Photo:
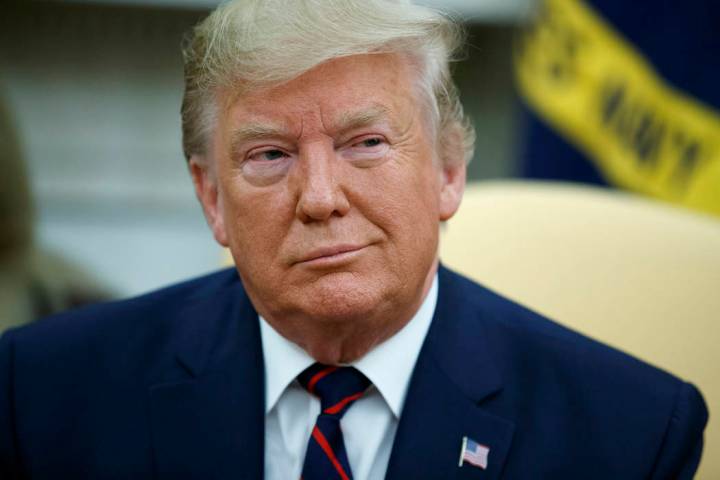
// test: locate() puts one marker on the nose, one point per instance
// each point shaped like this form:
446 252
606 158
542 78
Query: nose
320 192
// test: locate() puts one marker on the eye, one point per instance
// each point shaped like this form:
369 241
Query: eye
366 151
370 142
265 165
267 155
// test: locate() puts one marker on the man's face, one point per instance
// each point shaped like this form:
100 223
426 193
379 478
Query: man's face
328 191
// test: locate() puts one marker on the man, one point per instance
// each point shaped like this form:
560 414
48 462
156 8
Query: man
326 143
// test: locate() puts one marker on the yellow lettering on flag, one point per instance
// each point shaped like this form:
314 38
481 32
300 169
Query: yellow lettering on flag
597 90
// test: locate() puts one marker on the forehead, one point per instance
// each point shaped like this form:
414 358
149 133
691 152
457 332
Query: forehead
355 89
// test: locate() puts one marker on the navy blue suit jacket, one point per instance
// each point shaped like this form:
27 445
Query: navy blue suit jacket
170 385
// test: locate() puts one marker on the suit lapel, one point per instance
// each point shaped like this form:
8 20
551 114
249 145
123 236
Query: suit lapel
208 418
454 374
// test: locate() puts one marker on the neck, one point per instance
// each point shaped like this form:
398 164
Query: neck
334 342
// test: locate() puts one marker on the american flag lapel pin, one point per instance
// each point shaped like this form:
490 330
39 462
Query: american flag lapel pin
474 453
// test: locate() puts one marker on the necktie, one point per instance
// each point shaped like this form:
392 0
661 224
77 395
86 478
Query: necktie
337 388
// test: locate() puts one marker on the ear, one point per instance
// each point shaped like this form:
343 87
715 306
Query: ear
452 172
206 190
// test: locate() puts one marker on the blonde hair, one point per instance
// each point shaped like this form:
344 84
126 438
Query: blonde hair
251 43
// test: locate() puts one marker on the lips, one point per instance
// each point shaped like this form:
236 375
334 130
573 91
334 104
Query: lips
331 253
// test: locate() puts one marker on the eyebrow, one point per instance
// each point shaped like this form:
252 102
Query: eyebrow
344 122
361 118
253 131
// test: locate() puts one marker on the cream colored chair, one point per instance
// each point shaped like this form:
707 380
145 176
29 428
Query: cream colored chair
639 275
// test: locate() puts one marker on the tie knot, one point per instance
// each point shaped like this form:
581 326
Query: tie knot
337 387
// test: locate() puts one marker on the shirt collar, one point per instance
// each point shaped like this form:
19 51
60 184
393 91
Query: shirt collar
389 365
284 361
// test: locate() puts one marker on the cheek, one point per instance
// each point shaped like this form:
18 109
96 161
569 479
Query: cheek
256 220
401 197
410 185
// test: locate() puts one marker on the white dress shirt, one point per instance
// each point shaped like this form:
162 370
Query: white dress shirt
370 423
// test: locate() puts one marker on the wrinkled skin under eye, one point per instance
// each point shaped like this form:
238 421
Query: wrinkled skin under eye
263 167
366 151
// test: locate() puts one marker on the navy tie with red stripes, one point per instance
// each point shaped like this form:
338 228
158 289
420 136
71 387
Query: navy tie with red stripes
337 388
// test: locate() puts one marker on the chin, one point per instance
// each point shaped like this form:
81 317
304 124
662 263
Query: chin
339 298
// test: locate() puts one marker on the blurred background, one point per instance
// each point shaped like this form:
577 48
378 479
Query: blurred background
96 202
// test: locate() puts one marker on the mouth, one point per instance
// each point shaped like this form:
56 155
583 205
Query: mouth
332 255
